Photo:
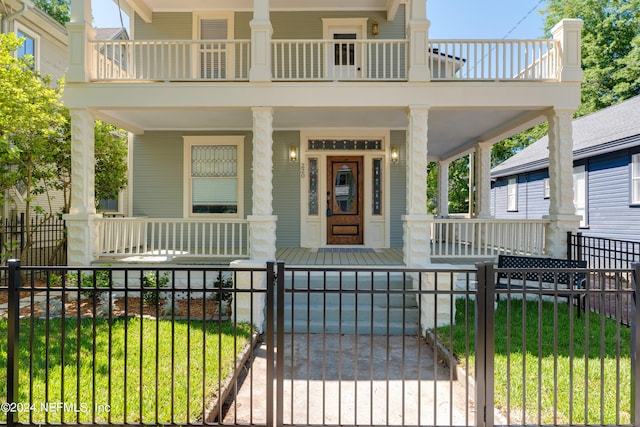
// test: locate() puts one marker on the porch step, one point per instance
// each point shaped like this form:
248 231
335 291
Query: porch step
350 303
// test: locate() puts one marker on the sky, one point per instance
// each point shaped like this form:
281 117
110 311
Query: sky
450 19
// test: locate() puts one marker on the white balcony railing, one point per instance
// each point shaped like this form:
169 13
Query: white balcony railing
458 238
494 59
318 60
174 237
164 60
339 60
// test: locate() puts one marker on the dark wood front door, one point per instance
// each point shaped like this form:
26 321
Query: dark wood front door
344 201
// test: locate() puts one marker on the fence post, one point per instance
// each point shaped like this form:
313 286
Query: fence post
579 246
280 346
269 337
13 334
485 344
635 350
21 231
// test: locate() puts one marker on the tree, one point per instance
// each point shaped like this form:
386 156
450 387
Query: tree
57 9
610 48
35 142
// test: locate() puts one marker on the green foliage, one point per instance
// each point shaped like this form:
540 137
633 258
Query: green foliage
111 161
60 10
610 48
511 146
222 282
153 280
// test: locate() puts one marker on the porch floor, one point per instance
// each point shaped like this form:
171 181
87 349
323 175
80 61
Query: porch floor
358 256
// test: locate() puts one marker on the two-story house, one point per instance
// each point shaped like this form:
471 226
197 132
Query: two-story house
260 125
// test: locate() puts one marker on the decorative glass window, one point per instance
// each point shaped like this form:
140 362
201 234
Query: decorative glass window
512 194
635 179
345 144
214 175
313 186
377 187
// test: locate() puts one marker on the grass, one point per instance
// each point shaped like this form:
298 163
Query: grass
574 377
129 366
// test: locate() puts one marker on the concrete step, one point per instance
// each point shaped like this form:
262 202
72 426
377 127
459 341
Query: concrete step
350 302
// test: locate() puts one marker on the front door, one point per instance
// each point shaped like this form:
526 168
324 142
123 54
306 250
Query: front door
344 201
344 57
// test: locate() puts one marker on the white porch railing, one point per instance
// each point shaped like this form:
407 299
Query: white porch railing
454 238
321 60
173 237
494 59
171 60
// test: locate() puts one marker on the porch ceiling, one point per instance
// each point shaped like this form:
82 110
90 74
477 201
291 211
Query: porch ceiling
451 132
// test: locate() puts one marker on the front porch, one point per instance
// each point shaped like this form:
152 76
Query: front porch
451 241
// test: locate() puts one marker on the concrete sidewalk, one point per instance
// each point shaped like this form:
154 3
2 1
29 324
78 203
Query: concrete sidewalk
399 382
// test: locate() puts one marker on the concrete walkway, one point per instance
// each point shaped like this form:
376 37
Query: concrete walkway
399 382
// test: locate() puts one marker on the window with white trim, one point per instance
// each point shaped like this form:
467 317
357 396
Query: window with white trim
547 188
512 194
30 46
580 193
214 168
635 179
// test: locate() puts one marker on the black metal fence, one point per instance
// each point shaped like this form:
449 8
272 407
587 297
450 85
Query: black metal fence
305 346
601 252
48 244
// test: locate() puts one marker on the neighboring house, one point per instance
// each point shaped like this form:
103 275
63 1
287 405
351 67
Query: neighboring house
606 175
45 40
264 125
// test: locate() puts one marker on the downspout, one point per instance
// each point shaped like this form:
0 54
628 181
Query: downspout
13 16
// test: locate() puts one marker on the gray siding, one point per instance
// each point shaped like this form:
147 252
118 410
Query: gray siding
165 26
608 186
531 201
398 185
158 175
286 190
609 213
308 25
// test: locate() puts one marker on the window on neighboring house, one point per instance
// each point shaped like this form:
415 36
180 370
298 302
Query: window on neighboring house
29 48
580 193
635 179
547 188
214 168
512 194
108 205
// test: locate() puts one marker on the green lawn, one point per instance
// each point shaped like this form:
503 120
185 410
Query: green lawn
185 382
555 371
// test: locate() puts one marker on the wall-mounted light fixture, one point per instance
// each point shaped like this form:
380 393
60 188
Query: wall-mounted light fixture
293 153
395 154
375 29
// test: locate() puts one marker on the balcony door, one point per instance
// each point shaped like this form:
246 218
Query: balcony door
213 52
345 200
344 52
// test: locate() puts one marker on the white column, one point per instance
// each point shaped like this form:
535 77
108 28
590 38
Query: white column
82 238
263 222
261 33
418 29
472 174
80 32
417 224
443 188
483 180
567 32
561 207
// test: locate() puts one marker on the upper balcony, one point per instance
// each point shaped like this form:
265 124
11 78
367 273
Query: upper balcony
325 41
324 60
